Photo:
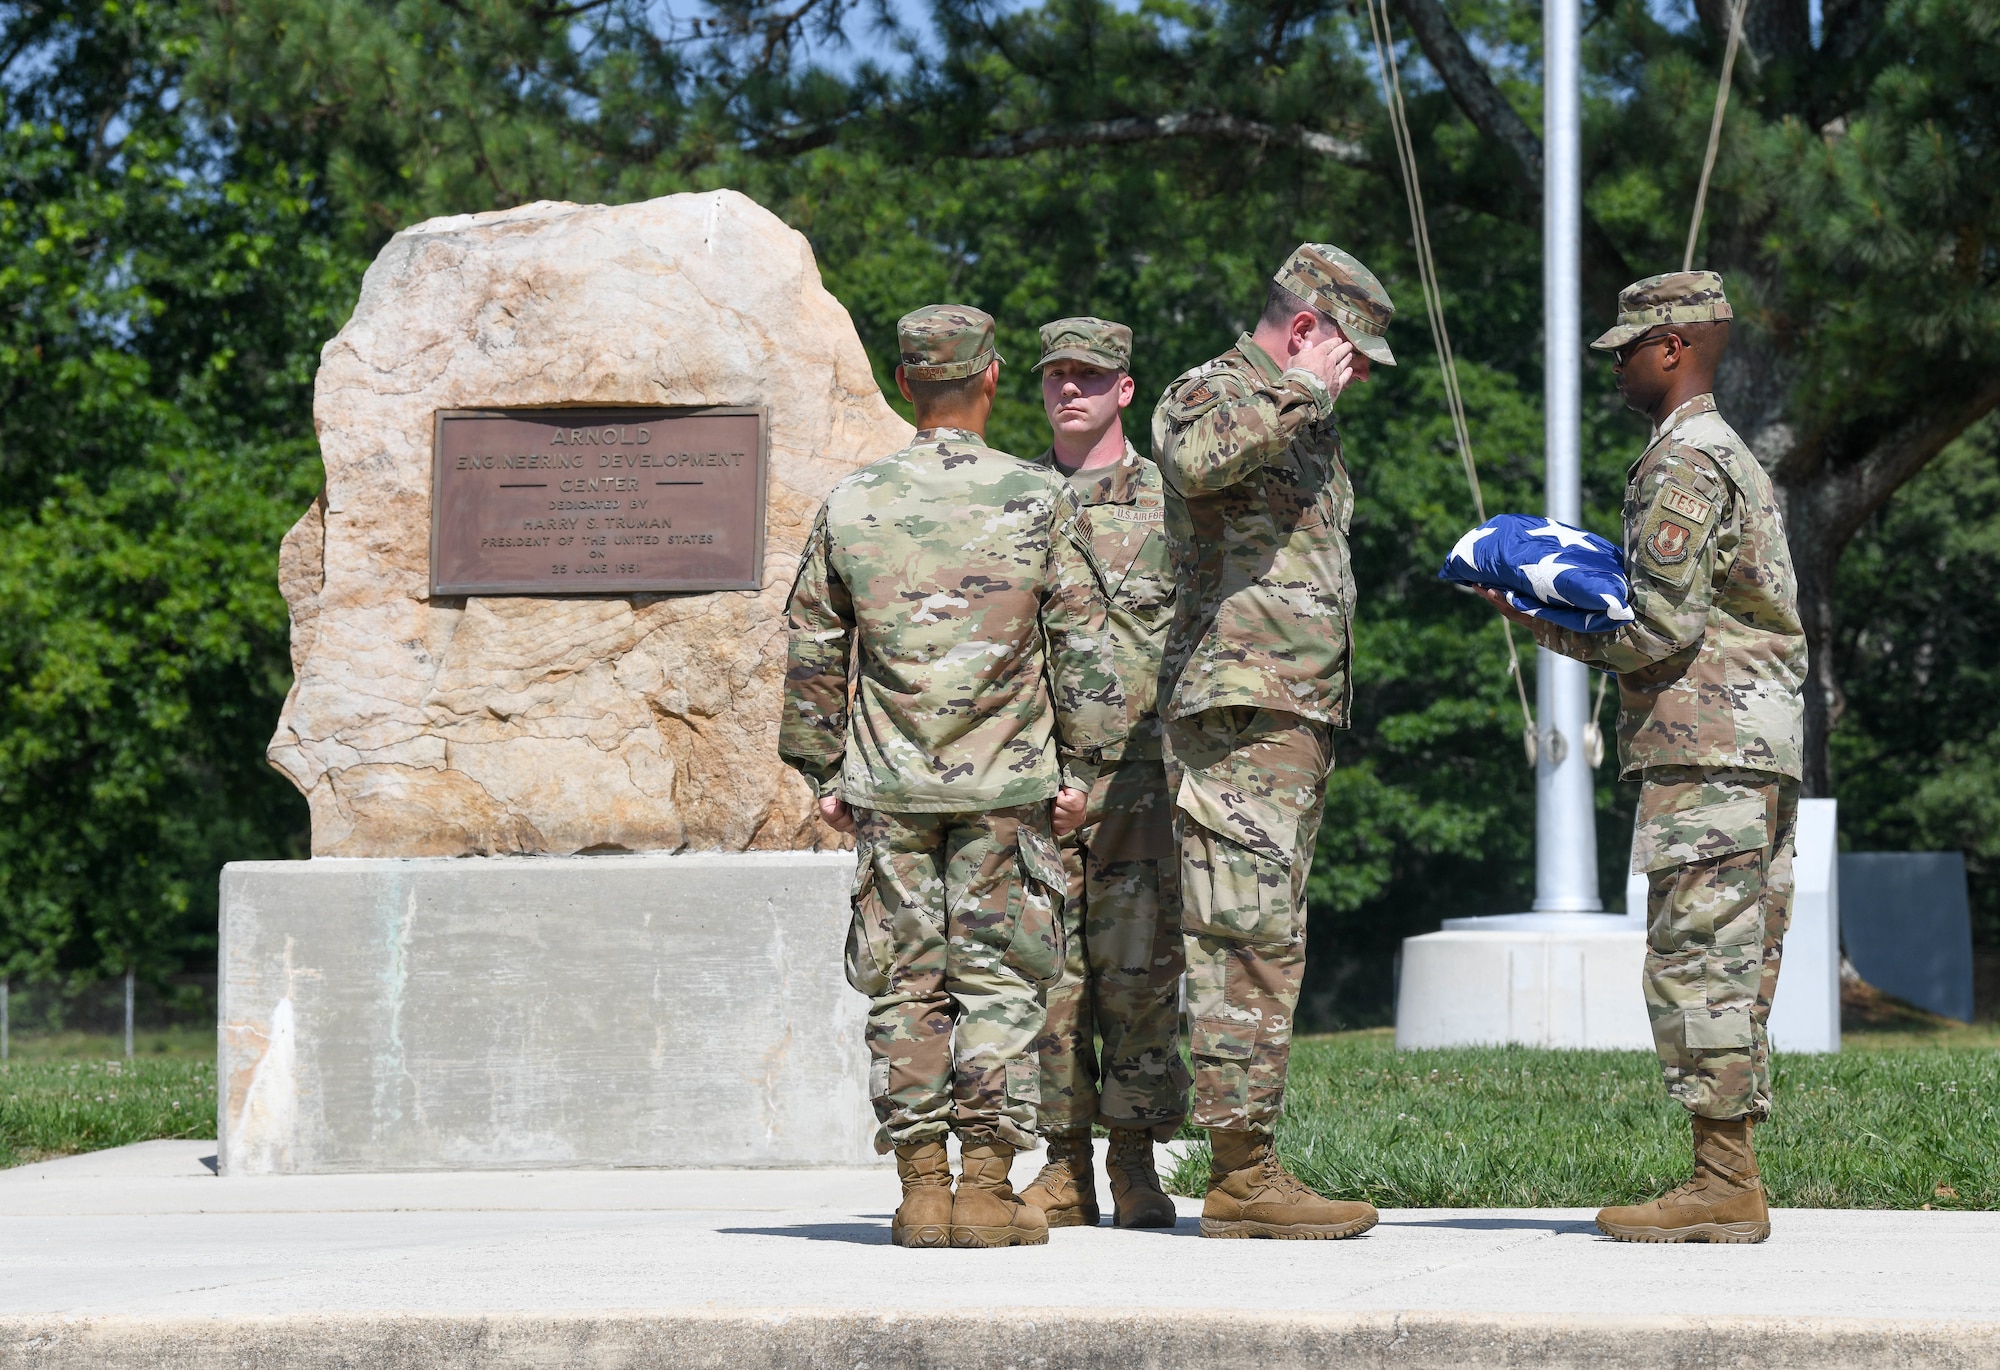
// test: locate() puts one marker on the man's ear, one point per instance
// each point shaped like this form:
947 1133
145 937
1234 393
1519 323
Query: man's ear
903 384
1672 351
992 386
1127 387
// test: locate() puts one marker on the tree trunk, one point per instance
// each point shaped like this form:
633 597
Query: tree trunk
1815 558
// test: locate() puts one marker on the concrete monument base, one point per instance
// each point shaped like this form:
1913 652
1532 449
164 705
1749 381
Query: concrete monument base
539 1012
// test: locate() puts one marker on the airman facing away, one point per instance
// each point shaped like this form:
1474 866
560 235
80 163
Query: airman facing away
963 582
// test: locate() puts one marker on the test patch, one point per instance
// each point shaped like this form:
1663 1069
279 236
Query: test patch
1675 528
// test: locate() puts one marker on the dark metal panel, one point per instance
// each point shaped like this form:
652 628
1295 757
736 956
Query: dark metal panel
597 501
1907 926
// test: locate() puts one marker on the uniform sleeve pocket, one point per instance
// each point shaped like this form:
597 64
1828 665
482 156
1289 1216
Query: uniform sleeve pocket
1685 836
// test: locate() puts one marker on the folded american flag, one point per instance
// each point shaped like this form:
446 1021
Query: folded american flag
1571 578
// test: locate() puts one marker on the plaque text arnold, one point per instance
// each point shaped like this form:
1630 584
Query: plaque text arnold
597 501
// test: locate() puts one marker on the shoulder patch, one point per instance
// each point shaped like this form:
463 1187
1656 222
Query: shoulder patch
1675 528
1196 396
1685 503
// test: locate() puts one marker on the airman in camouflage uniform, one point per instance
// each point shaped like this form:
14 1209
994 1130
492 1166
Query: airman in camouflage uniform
961 585
1710 674
1122 917
1259 662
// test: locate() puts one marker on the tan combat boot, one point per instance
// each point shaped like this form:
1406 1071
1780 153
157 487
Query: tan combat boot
1136 1197
924 1216
1251 1195
1066 1190
1724 1202
986 1211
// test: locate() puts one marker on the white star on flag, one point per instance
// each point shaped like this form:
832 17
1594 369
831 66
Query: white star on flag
1613 610
1542 575
1463 552
1565 537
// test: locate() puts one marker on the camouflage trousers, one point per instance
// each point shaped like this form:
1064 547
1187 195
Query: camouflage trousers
1249 787
1122 979
1716 848
956 934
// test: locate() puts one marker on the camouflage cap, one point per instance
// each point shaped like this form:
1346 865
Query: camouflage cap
1097 342
1334 283
1676 297
945 342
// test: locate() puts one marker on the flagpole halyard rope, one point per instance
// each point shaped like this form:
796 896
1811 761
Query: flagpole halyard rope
1406 161
1715 129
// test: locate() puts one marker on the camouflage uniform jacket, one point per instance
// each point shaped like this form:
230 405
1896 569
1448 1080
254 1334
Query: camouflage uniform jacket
963 583
1257 511
1711 668
1127 504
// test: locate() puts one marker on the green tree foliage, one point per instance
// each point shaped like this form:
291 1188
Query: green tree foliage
163 301
1919 748
206 179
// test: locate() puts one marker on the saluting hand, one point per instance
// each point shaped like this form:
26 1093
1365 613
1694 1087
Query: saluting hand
1069 808
1332 360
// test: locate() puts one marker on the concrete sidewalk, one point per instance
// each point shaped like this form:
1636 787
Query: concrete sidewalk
141 1257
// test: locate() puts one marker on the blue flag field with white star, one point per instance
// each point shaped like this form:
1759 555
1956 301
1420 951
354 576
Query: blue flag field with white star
1570 577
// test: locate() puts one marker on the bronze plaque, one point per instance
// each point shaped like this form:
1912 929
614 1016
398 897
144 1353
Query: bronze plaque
597 501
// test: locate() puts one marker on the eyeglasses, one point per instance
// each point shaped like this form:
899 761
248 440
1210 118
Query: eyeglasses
1622 355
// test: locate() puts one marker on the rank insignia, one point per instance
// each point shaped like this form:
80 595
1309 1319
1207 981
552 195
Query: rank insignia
1197 399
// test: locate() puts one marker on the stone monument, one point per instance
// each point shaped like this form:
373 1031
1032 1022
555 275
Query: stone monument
565 906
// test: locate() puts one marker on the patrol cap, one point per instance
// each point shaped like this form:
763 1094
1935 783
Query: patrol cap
945 342
1676 297
1334 283
1095 342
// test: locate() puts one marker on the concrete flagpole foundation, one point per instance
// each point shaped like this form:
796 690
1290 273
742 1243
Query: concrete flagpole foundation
1566 974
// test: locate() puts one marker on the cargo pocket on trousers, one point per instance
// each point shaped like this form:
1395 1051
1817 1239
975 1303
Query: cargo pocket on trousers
1705 866
1236 865
1682 837
1037 947
1709 918
1222 1039
1729 984
871 951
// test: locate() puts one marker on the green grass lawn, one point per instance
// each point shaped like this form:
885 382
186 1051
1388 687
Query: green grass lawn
54 1107
74 1092
1897 1120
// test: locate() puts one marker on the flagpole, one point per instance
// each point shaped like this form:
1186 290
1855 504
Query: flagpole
1565 808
